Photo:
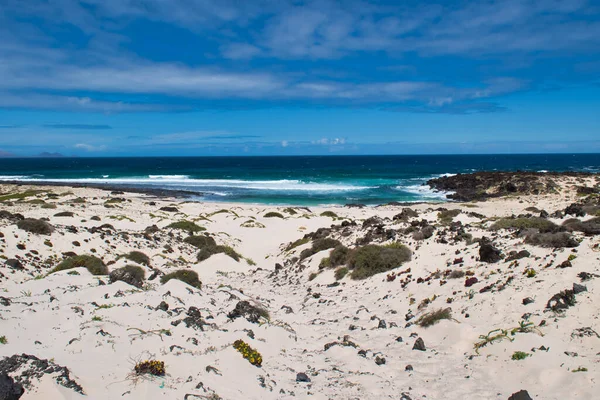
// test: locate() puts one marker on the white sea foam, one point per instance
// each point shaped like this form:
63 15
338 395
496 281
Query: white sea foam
184 182
424 191
12 177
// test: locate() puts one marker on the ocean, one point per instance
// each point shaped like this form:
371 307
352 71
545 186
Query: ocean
310 180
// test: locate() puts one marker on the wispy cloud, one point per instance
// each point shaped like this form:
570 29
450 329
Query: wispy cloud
78 126
90 148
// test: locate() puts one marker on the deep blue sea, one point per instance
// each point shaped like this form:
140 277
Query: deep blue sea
287 180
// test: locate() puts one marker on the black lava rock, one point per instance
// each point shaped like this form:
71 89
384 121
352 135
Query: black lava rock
9 389
302 377
487 252
520 395
245 309
14 264
419 345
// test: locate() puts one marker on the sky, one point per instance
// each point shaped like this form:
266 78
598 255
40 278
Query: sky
276 77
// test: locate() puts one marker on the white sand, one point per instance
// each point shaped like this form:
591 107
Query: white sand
43 320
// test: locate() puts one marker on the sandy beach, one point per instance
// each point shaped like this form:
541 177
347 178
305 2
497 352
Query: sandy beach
449 315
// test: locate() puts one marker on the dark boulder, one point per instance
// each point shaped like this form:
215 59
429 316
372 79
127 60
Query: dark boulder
419 345
302 377
250 312
14 264
9 389
487 252
520 395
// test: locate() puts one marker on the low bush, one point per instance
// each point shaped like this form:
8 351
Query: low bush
559 239
433 317
456 274
297 243
93 264
446 216
152 367
253 356
541 224
341 272
519 355
319 245
210 250
372 259
339 256
589 227
137 257
329 214
273 214
188 226
184 275
64 214
424 233
200 241
37 226
290 211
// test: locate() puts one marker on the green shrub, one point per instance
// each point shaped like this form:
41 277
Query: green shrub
456 274
559 239
541 224
530 272
446 216
185 275
580 369
330 214
340 273
325 263
3 340
319 245
152 367
433 317
137 257
210 250
297 243
187 226
519 355
372 259
200 241
64 214
290 211
37 226
253 356
93 264
339 256
273 214
312 276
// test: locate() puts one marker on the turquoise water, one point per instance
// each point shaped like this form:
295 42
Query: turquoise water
286 180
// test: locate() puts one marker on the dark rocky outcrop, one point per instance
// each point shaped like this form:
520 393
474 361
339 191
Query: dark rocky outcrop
251 313
9 389
484 185
487 252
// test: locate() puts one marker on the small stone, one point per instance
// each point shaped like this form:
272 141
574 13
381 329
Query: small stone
399 339
302 377
408 368
577 288
382 324
419 345
527 300
163 306
379 360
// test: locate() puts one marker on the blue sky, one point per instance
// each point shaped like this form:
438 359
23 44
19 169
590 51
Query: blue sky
254 77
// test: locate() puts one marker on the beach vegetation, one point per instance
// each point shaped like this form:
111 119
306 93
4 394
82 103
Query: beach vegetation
131 274
93 264
580 369
3 340
496 335
150 367
319 245
185 275
36 226
312 276
297 243
210 250
250 354
49 206
447 216
530 273
187 226
78 200
456 274
273 214
96 318
137 257
339 256
329 214
433 317
341 272
373 259
20 196
557 240
541 224
290 211
64 214
519 355
252 224
200 241
121 218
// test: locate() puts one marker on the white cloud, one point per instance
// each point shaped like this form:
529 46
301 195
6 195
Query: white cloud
89 147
